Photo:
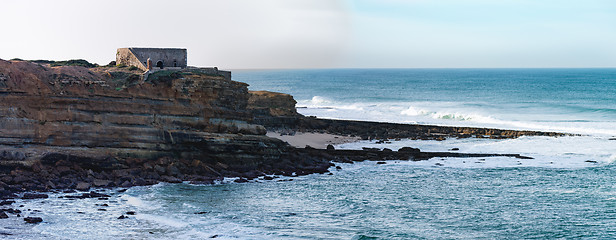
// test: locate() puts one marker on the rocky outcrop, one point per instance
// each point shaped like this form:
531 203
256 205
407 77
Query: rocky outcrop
285 119
272 108
77 127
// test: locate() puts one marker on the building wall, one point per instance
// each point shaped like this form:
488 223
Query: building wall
169 57
124 56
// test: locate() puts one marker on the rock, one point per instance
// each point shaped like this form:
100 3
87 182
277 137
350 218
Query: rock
101 183
122 217
126 184
130 213
34 195
381 162
454 149
6 203
201 212
170 179
409 149
330 147
371 149
3 215
33 219
83 186
268 178
240 180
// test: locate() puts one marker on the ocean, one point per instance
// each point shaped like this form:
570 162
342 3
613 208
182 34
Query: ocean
566 191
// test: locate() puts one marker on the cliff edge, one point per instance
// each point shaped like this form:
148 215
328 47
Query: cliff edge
70 126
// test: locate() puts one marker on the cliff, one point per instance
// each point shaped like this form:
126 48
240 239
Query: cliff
68 125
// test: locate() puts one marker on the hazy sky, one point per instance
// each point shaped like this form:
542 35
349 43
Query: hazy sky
235 34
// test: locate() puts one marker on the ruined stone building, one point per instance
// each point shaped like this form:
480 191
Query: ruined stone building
152 58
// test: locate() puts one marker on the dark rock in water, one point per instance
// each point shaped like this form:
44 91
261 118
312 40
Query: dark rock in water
6 203
338 167
214 236
330 147
590 161
387 150
454 149
612 139
200 212
3 215
122 190
122 217
83 186
439 164
380 162
268 178
409 149
241 180
33 219
130 213
34 195
102 209
370 149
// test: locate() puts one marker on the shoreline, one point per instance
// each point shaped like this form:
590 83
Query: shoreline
312 139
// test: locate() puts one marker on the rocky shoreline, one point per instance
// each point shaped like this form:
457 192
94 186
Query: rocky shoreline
72 128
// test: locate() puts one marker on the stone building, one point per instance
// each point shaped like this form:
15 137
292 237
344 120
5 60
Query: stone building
158 58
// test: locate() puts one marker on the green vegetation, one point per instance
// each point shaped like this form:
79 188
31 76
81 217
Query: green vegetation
123 80
72 62
164 77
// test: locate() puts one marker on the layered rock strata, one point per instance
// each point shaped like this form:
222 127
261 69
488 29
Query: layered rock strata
107 126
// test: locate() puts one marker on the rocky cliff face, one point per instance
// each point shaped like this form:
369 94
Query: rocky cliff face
273 109
108 119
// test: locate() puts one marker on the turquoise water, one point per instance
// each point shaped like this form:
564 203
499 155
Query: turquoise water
566 191
565 100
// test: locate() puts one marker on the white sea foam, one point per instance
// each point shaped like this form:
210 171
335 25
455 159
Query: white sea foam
164 220
559 152
457 114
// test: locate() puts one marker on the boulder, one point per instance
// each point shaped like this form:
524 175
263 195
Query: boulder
83 186
409 149
34 195
33 219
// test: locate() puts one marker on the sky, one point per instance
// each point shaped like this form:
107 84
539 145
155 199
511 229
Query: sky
276 34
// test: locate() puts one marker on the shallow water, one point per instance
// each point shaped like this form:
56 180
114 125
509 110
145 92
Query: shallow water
397 200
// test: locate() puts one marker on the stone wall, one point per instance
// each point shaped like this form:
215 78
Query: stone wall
124 56
169 57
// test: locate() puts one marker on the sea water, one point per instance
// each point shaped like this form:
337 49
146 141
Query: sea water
566 191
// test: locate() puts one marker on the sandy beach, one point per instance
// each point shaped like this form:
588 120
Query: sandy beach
315 140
